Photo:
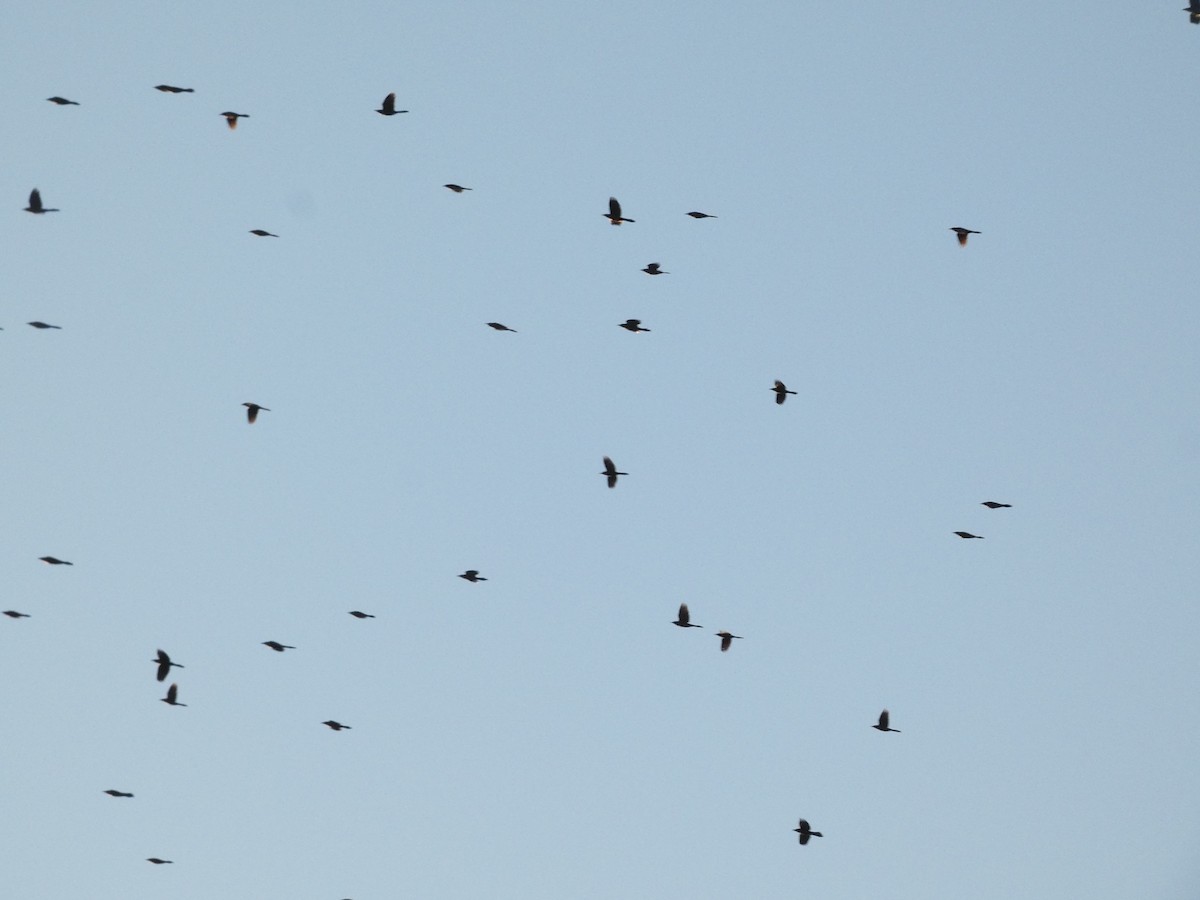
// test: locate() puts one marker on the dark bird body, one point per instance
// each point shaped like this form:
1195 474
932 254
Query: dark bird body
472 575
700 215
727 639
232 117
336 726
610 470
966 535
62 101
115 793
164 665
654 269
883 723
614 212
360 615
55 561
781 391
457 188
992 504
43 325
252 411
685 618
13 614
500 327
159 862
962 234
172 694
1193 10
278 647
389 107
805 831
259 232
171 89
633 325
35 204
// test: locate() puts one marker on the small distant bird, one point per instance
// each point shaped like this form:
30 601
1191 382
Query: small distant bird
614 212
992 504
700 215
360 615
389 107
62 101
1193 8
457 188
171 89
115 793
653 269
336 726
500 327
634 325
610 470
232 117
164 665
883 723
252 411
43 325
13 614
781 391
962 234
35 203
157 861
685 618
965 535
806 832
55 561
172 693
727 639
260 233
278 647
472 575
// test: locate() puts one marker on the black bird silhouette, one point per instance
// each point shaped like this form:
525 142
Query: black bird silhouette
43 325
13 614
500 327
634 325
1193 8
336 726
966 535
172 693
62 101
278 647
35 203
992 504
115 793
171 89
157 861
883 723
252 411
457 188
55 561
610 470
614 212
700 215
232 117
261 233
360 615
389 107
805 831
653 269
472 575
962 234
727 639
685 618
164 665
781 391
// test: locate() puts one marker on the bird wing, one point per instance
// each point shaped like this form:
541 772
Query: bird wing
684 615
609 467
251 414
780 396
614 208
35 200
804 836
962 238
172 693
389 103
612 480
883 719
726 640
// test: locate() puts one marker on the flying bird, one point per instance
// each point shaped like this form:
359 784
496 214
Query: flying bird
13 614
962 234
653 269
172 693
62 101
1193 8
805 831
43 325
232 117
55 561
115 793
252 411
35 203
610 470
278 647
389 107
157 861
171 89
781 391
992 504
164 665
700 215
336 726
360 615
457 188
500 327
883 723
614 212
727 639
966 535
472 575
685 618
261 233
634 325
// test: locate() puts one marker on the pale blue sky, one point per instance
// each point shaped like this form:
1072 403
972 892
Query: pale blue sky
548 734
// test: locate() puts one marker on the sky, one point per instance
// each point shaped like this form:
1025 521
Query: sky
548 733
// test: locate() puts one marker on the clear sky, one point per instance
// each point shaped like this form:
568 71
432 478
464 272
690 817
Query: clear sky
548 733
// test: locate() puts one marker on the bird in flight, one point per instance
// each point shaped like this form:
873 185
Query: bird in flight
685 618
805 831
966 535
62 101
634 325
653 269
360 615
500 327
115 793
232 117
472 575
172 693
727 639
336 726
614 212
1193 8
962 234
13 614
700 215
171 89
883 723
159 862
781 391
457 188
252 411
992 504
164 665
389 107
35 203
55 561
278 647
43 325
610 470
258 232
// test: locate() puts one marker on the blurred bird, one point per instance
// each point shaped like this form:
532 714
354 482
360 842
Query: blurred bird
472 575
457 188
781 391
252 411
172 693
171 89
278 647
500 327
685 618
806 832
360 615
1193 8
260 233
115 793
164 665
336 726
883 723
653 269
62 101
611 471
43 325
232 117
962 234
55 561
965 535
727 639
13 614
389 107
35 203
700 215
159 862
634 325
992 504
614 212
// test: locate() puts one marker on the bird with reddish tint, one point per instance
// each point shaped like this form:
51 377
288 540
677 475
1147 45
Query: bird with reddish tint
700 215
115 793
389 107
172 695
653 269
685 618
334 725
781 391
62 101
43 326
499 327
252 411
472 575
164 665
278 647
883 723
258 232
610 470
35 204
13 614
55 561
159 862
727 639
171 89
805 831
633 325
962 234
457 188
966 535
360 615
614 212
992 504
232 117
